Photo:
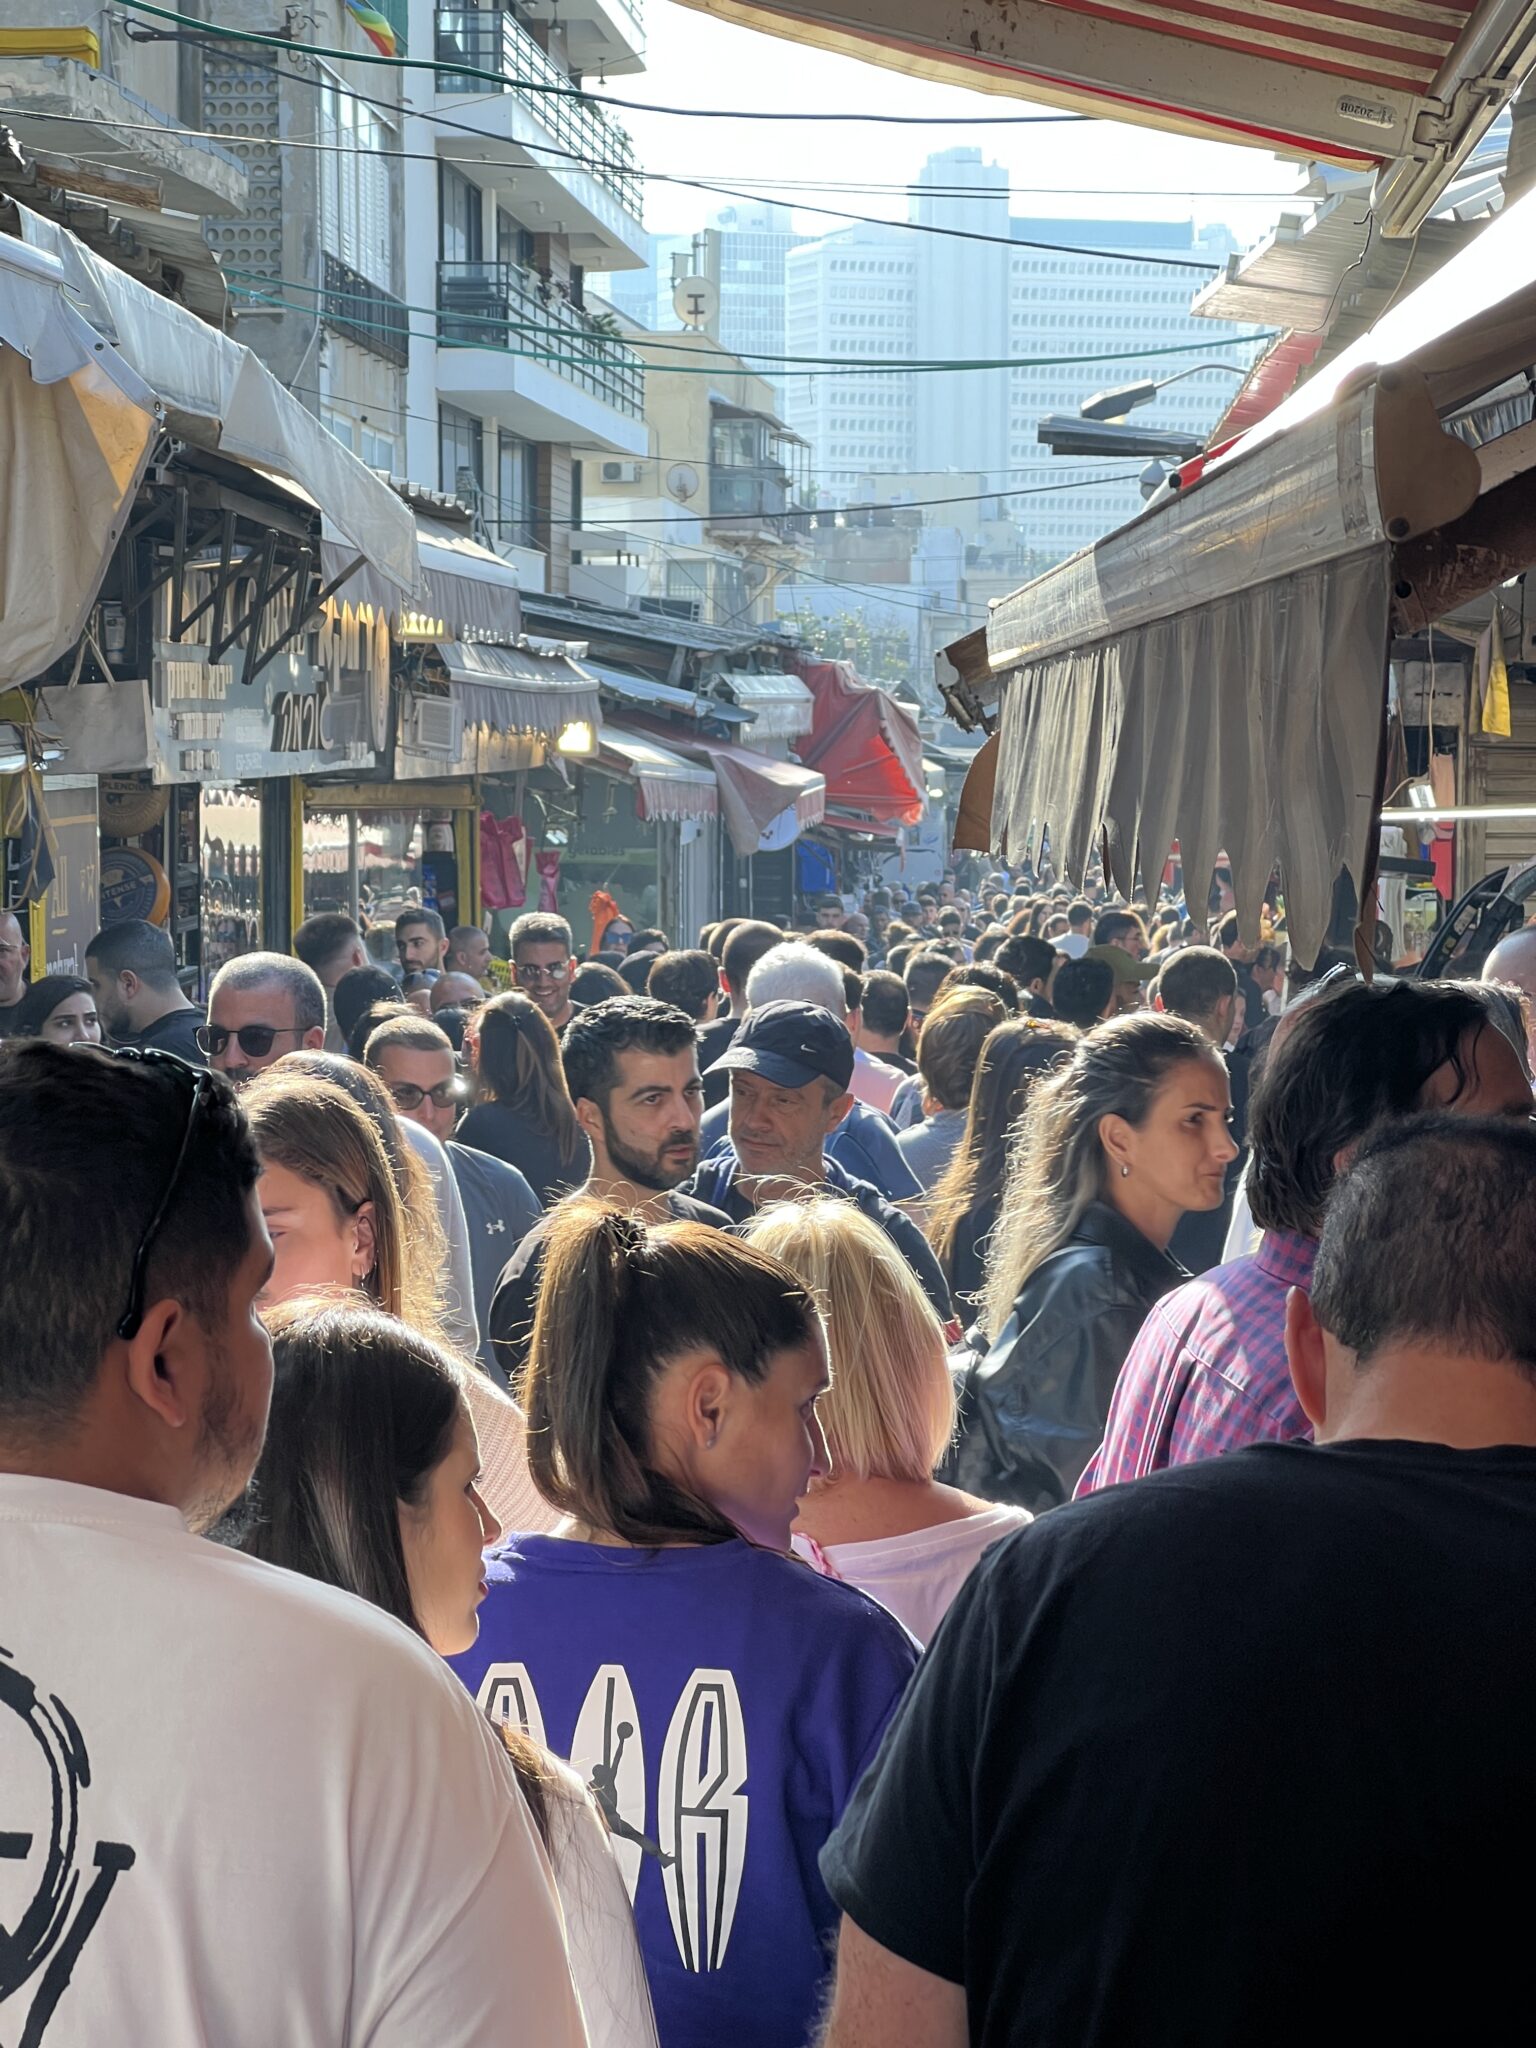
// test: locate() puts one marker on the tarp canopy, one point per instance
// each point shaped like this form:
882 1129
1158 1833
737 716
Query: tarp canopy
766 803
1214 671
218 395
468 585
647 692
865 744
668 789
1398 84
780 704
513 690
78 426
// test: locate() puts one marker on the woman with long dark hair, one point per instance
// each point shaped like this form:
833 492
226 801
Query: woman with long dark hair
60 1008
962 1211
523 1111
721 1700
1116 1146
368 1481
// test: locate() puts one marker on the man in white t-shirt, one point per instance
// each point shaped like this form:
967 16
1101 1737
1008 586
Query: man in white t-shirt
236 1806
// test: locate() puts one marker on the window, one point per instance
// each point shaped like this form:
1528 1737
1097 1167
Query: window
514 242
356 206
460 451
460 224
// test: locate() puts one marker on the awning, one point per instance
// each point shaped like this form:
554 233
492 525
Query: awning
219 396
80 426
1214 671
668 789
865 744
469 587
766 803
513 690
780 704
1400 84
647 693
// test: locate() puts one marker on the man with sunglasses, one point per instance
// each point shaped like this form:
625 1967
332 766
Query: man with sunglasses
261 1005
415 1060
542 964
192 1852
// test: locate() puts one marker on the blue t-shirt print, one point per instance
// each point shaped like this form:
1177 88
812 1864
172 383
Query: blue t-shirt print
722 1702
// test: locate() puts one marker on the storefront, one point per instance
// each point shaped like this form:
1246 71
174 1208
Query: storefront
644 830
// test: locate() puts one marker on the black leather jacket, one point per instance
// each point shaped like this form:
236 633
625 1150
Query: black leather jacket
1033 1406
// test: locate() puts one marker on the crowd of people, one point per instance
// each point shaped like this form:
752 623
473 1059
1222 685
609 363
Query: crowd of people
947 1474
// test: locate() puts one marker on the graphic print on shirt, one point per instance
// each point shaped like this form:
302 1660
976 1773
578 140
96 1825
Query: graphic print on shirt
700 1839
49 1904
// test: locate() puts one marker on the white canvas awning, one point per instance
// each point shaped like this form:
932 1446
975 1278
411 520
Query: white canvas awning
516 690
78 426
668 789
782 707
218 395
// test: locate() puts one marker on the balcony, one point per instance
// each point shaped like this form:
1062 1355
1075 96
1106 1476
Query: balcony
364 313
600 35
752 501
545 348
492 40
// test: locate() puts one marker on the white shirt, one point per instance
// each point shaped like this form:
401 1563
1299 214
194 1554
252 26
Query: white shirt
915 1577
1073 944
264 1812
605 1954
459 1318
875 1080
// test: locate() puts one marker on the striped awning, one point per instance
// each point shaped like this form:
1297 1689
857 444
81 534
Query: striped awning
668 789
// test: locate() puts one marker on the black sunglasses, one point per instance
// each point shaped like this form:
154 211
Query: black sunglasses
255 1039
133 1315
407 1095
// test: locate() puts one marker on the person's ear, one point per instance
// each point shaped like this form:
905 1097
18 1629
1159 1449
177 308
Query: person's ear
590 1117
162 1365
1118 1138
365 1252
314 1038
1159 1005
1306 1354
706 1403
837 1109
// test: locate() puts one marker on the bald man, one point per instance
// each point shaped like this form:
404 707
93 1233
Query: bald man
1513 963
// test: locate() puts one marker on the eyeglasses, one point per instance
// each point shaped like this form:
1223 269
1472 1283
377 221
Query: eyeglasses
202 1084
255 1039
408 1096
525 971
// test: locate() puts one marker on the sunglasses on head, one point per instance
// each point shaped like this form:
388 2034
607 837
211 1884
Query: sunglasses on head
202 1087
255 1040
408 1096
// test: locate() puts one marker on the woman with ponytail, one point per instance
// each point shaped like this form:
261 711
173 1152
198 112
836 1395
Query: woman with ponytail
720 1700
1116 1145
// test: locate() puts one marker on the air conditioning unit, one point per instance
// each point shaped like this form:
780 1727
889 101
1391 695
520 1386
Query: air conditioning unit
435 725
621 472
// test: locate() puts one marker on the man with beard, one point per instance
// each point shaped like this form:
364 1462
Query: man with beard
632 1067
189 1740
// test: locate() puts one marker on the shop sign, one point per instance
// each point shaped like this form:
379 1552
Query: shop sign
299 722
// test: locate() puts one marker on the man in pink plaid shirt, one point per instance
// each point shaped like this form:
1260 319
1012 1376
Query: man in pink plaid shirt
1208 1373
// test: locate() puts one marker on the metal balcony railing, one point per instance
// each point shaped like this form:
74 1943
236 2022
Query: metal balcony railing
494 305
492 40
359 309
740 494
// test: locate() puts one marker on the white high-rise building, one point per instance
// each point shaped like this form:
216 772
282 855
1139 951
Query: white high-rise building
869 293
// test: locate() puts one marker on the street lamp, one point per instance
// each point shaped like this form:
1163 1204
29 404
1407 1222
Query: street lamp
1124 398
1064 433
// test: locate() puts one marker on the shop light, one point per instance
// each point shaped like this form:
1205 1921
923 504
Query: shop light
13 751
576 738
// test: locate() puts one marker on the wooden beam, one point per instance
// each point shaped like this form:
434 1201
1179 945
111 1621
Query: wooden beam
1486 546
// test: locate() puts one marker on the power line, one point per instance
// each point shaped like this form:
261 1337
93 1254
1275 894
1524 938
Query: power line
573 91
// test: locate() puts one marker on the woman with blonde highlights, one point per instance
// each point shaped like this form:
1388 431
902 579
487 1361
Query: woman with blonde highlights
879 1518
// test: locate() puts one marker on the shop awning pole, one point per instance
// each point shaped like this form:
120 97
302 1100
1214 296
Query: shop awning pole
354 892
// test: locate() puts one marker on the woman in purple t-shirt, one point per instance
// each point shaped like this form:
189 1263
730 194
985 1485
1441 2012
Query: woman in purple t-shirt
720 1699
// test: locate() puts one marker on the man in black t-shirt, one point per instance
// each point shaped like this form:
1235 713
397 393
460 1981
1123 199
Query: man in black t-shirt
1241 1753
131 966
632 1067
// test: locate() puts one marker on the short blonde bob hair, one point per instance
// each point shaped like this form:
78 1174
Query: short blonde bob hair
890 1412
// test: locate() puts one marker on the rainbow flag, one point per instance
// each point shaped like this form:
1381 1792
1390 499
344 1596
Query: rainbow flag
373 26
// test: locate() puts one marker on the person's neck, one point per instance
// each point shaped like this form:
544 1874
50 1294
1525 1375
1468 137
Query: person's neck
881 1046
606 1184
562 1017
1150 1213
153 1005
1430 1394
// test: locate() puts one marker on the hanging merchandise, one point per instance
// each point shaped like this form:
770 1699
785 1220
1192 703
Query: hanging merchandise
604 910
549 880
505 850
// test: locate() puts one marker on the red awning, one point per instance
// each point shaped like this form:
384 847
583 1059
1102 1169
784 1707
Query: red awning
668 789
761 799
865 744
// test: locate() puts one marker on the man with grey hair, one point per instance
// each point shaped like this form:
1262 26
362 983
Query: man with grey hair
864 1143
261 1005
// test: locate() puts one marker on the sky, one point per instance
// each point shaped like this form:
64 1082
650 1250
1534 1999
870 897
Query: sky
695 60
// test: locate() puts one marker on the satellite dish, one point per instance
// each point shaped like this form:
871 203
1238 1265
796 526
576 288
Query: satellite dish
696 301
682 481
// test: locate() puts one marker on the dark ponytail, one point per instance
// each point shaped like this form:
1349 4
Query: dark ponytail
617 1303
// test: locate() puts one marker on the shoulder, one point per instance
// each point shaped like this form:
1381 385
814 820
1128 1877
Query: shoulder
837 1621
490 1172
688 1209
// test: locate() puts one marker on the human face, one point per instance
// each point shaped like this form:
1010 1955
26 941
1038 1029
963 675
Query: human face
14 955
1128 996
73 1022
616 935
445 1538
648 1131
107 990
410 1074
1494 1085
778 1130
543 969
233 1420
421 950
750 1449
234 1009
472 956
314 1246
1180 1154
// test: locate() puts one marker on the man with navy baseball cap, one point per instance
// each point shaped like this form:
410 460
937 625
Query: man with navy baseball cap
790 1067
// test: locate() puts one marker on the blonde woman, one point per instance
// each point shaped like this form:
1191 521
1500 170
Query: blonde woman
879 1518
